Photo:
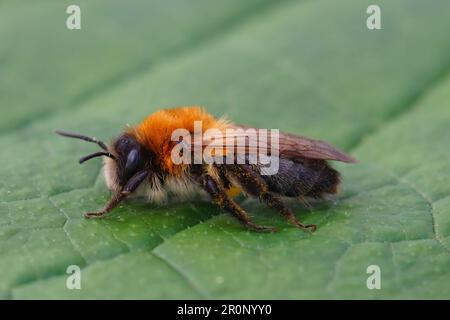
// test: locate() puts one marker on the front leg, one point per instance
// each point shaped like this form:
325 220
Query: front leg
129 188
219 197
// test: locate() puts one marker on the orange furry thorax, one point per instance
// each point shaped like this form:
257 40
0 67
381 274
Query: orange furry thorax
155 132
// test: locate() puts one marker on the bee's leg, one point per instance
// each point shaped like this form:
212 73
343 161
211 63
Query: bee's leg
219 197
115 200
254 184
131 186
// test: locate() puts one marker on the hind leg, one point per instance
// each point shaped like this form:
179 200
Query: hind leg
254 184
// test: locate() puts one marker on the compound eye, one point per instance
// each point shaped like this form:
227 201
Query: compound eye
132 163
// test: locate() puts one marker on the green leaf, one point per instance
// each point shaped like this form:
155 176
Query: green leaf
309 67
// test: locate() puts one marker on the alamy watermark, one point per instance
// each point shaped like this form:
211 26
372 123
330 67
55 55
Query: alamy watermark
373 21
73 281
231 146
374 280
73 21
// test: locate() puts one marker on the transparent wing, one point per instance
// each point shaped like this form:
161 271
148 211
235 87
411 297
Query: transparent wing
289 145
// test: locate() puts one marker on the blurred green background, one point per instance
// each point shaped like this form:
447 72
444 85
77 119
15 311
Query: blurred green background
308 67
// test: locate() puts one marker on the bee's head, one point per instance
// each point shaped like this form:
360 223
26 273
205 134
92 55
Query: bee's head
123 158
129 157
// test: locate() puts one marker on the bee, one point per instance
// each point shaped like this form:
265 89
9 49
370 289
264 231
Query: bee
140 162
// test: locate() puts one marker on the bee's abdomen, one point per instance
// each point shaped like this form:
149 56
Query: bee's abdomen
327 182
311 178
